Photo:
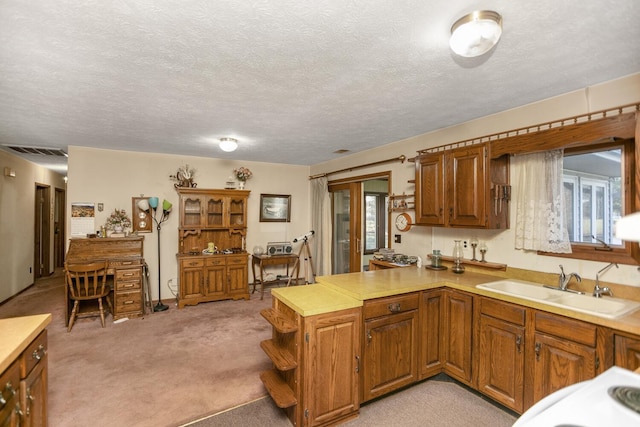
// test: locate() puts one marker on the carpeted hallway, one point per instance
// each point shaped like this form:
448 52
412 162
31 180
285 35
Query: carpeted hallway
180 366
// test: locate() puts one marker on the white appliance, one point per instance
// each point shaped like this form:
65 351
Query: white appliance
590 403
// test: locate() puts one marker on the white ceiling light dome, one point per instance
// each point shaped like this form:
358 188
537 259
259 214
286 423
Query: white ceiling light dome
476 33
228 144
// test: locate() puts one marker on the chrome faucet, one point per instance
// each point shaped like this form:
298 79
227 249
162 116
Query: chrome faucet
563 279
597 290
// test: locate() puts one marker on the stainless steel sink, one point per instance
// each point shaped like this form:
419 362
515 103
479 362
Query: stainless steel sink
609 308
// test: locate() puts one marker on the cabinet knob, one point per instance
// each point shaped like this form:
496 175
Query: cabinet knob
537 348
394 308
518 343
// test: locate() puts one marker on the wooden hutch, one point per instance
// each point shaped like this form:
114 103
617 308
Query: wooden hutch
218 217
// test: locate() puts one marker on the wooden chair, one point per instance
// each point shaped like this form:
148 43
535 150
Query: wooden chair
86 283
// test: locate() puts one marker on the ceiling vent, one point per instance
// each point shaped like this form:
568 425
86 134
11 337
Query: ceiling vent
38 151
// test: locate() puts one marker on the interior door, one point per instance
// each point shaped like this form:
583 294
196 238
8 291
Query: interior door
346 242
41 244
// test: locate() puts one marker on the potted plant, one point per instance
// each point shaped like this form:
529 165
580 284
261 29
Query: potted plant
118 221
242 175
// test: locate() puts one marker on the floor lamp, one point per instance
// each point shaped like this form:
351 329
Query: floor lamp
152 203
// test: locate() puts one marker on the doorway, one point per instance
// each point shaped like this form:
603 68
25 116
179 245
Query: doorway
351 220
42 239
59 210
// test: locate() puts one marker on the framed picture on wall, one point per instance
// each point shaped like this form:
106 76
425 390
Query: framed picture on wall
275 208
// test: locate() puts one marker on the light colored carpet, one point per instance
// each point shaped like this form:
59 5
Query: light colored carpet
438 402
164 369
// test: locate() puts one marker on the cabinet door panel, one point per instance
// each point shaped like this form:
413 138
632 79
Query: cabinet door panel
560 363
215 283
390 353
332 391
501 373
627 352
430 186
191 282
431 350
458 335
466 179
238 281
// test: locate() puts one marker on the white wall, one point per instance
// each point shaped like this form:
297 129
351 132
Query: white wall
421 240
114 177
17 220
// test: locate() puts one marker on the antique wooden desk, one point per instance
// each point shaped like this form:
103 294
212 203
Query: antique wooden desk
261 261
126 266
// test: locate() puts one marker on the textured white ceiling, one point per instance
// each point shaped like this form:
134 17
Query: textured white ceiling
293 80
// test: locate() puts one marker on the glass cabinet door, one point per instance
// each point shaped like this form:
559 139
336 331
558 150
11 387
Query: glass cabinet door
191 209
215 211
237 212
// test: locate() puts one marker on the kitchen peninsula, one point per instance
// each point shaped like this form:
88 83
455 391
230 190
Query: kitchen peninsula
354 337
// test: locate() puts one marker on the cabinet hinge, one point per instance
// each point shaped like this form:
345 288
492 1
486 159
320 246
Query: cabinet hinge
306 413
306 337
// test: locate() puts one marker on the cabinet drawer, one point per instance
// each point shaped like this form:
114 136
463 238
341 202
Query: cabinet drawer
385 306
128 273
9 382
504 311
187 263
572 330
128 285
128 301
33 354
212 262
131 263
237 260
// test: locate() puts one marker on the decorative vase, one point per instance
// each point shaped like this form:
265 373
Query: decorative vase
241 185
117 229
458 254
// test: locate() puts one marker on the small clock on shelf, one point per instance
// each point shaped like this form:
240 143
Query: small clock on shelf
403 222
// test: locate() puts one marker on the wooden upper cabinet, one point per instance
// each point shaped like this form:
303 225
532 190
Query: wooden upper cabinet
463 187
213 208
430 186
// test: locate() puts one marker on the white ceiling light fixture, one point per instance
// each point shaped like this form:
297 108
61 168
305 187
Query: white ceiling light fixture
228 144
476 33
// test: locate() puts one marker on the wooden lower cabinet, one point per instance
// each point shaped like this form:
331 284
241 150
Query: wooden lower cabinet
431 333
390 348
316 360
457 335
564 353
627 351
501 352
23 387
213 278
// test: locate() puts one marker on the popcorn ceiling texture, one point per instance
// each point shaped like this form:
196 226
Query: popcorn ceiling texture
292 80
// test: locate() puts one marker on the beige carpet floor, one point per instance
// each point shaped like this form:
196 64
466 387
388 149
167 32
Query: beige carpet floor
164 369
438 402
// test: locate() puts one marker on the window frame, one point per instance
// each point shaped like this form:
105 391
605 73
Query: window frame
628 252
381 220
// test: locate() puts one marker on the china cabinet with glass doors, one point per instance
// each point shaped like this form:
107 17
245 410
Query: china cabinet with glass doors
212 258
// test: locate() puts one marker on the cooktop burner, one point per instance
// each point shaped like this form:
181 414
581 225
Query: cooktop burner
627 396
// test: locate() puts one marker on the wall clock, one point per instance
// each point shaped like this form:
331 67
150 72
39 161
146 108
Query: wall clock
403 222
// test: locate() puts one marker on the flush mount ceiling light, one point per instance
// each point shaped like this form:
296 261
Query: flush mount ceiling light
228 144
476 33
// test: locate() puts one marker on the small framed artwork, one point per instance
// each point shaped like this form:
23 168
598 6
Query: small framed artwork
275 208
141 221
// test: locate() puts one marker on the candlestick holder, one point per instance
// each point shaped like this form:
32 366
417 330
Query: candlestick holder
474 245
483 250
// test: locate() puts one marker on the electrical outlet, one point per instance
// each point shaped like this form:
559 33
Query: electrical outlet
397 238
464 243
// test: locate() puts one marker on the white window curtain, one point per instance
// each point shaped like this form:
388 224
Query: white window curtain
540 224
321 223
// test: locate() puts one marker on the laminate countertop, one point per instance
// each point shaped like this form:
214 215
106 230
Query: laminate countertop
16 333
352 289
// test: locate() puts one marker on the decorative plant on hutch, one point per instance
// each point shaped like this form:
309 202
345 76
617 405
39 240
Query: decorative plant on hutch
184 177
118 221
242 174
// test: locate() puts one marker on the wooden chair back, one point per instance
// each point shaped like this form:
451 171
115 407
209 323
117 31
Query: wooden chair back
87 281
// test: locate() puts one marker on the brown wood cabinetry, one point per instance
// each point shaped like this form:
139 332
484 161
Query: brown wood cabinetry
564 353
462 188
327 348
218 217
23 387
457 335
627 351
390 348
431 333
501 352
